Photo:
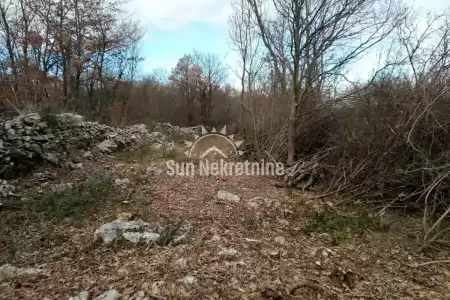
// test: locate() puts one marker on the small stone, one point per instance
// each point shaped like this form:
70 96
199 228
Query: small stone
107 146
179 240
215 238
128 291
133 237
51 157
109 295
109 232
8 271
228 252
77 166
139 295
150 237
365 257
181 262
275 254
283 222
157 146
70 119
81 296
189 280
87 155
154 170
32 119
122 182
280 240
10 133
156 287
226 196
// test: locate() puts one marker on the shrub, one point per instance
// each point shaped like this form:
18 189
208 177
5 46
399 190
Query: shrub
342 226
80 199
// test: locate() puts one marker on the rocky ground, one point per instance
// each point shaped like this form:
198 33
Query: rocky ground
113 227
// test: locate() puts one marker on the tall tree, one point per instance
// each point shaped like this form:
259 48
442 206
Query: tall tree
310 42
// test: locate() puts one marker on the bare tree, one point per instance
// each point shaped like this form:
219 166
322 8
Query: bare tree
213 75
315 40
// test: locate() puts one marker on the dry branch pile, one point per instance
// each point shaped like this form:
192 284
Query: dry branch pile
388 144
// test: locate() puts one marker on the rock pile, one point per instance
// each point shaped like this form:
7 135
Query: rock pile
139 232
172 129
28 139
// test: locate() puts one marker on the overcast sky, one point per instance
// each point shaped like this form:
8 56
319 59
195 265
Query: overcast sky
176 27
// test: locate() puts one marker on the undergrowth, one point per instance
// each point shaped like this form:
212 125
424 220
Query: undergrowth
76 201
344 226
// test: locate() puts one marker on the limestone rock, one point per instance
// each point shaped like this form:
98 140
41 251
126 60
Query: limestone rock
227 196
122 182
109 295
81 296
28 140
8 271
141 237
107 146
110 232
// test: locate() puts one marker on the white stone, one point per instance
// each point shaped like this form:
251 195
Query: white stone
144 237
150 237
133 237
189 280
81 296
87 154
228 252
71 119
8 271
224 195
107 146
154 170
280 240
157 146
32 119
181 262
109 232
121 182
109 295
179 240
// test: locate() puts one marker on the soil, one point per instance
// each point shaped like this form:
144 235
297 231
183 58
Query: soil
252 249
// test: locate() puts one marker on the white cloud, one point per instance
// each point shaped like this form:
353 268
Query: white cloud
175 14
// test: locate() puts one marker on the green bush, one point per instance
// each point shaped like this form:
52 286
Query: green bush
78 200
48 114
342 226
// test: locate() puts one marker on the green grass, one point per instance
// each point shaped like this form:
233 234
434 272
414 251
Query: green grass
343 226
76 201
140 154
48 112
8 244
180 138
170 154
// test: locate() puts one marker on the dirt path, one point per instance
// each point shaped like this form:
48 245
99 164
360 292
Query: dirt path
256 248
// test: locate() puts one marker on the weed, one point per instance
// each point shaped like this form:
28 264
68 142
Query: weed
78 200
342 226
180 138
170 154
8 243
140 154
251 222
48 114
169 233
